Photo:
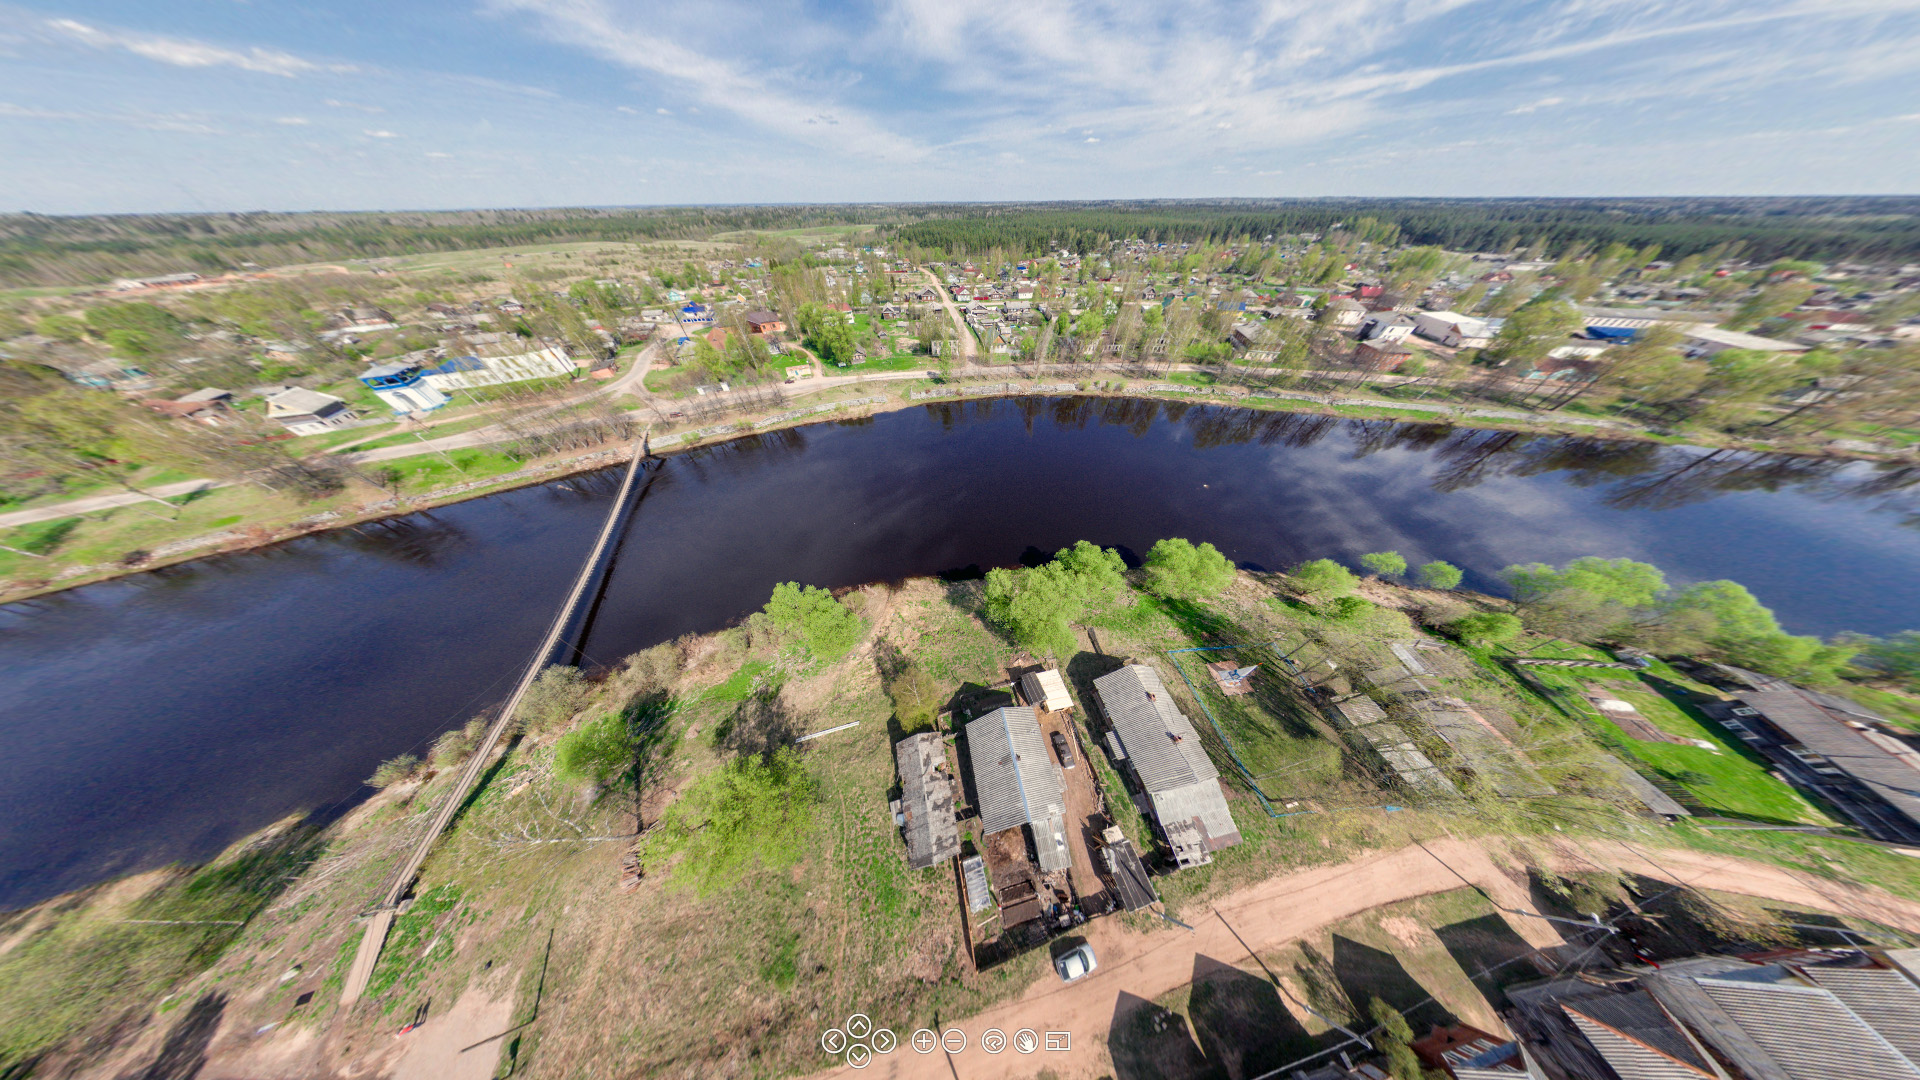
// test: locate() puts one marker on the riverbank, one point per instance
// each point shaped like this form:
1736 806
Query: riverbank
266 521
530 920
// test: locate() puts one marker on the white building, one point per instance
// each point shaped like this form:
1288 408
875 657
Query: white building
1386 327
1454 330
469 372
1707 340
308 412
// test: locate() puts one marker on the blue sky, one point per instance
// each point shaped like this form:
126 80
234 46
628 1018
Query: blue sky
108 105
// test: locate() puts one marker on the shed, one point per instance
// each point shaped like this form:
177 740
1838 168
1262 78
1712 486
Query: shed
1166 756
926 800
1046 690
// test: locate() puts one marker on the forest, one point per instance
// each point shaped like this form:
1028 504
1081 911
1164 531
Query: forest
40 250
1875 229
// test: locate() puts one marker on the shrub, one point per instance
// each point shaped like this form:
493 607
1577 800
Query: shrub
1178 570
597 752
393 770
1439 575
748 813
1487 628
553 698
452 747
1037 606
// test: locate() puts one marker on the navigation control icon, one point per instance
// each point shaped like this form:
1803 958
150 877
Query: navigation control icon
884 1040
859 1026
833 1041
1026 1040
993 1040
954 1040
1059 1040
925 1040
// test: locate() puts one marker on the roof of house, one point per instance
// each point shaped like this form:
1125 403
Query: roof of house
1014 776
926 800
1167 756
381 371
1643 789
761 317
1821 728
1886 999
1047 689
300 402
1161 743
209 393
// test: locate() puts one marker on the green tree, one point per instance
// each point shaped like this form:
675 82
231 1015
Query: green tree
1179 570
1323 580
68 328
1622 581
814 618
1384 563
743 815
1487 627
915 696
1897 656
393 770
1534 329
1439 575
1775 299
1037 606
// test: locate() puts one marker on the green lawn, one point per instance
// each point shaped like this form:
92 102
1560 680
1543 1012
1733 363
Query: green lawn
1728 779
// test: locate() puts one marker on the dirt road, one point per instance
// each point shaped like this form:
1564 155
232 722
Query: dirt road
1282 909
968 346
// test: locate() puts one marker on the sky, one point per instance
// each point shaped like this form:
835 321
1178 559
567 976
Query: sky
216 105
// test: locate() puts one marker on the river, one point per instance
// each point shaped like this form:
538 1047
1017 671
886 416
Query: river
158 717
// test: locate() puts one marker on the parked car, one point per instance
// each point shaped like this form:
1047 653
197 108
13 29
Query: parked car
1076 963
1062 751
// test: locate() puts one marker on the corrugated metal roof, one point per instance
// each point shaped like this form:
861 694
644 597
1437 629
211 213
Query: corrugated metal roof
1885 999
1643 789
1807 1031
1807 723
1161 743
1013 775
926 797
974 870
1629 1057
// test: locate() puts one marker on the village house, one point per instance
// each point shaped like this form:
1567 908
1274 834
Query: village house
401 387
308 412
1386 327
1018 783
1342 313
470 372
210 406
1706 341
1454 330
763 322
1163 752
1381 355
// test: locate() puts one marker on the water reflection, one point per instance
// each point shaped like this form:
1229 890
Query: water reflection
1645 475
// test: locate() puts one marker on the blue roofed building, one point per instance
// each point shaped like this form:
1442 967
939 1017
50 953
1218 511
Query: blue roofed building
402 386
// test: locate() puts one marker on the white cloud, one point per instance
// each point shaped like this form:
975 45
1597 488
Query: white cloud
1091 139
381 134
1543 103
187 53
293 121
628 109
438 154
336 103
590 25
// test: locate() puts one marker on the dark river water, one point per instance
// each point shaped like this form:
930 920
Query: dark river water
159 717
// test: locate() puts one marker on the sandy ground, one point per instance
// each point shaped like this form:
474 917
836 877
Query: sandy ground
436 1050
1282 909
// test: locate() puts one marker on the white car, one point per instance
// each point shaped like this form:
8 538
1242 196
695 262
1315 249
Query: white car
1076 964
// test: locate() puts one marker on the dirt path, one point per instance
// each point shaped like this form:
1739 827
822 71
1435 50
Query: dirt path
968 346
1282 909
437 1049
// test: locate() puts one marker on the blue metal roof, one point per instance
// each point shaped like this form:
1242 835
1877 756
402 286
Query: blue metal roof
457 363
1612 333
